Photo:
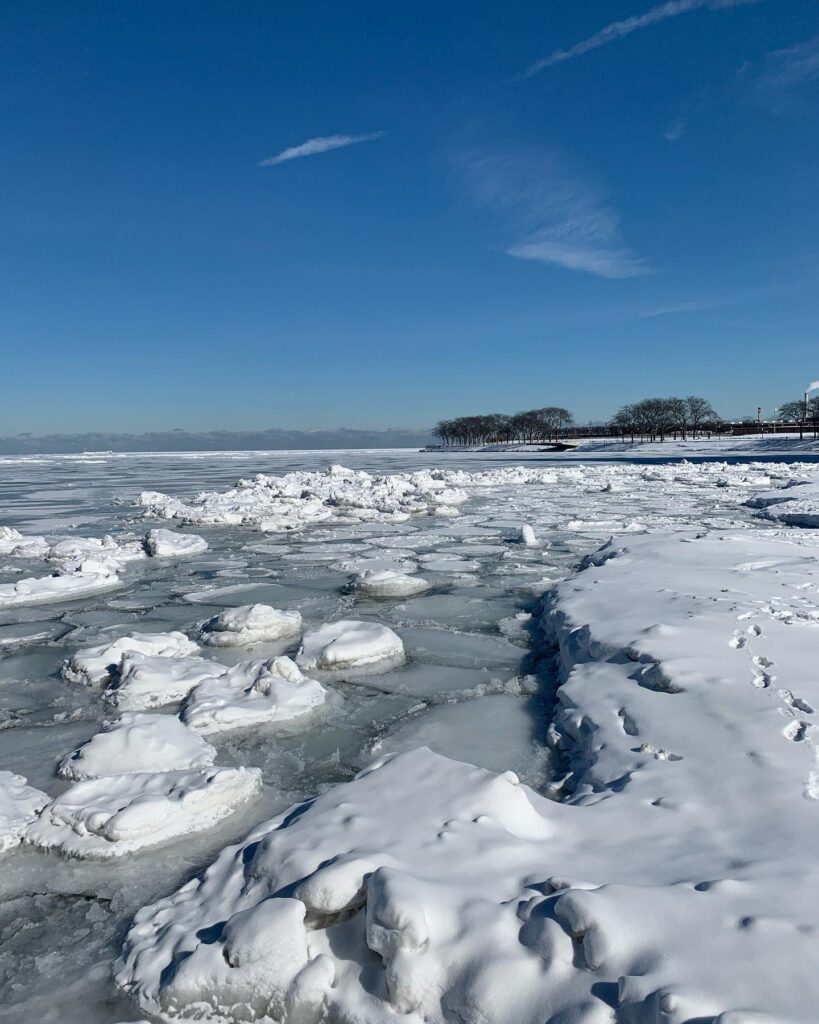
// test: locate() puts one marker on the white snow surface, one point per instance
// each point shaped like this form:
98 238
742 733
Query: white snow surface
97 665
138 742
349 644
664 871
249 624
252 693
19 806
119 814
153 680
676 882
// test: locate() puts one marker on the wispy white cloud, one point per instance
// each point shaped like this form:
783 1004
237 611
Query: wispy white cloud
321 144
784 70
619 29
675 131
558 218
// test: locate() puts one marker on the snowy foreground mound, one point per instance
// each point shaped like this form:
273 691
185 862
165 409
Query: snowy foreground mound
677 883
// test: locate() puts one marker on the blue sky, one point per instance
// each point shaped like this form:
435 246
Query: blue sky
549 202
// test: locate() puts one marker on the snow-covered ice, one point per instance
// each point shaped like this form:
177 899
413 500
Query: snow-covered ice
252 693
153 680
19 806
97 665
138 742
349 644
388 583
89 577
250 624
120 814
651 860
172 544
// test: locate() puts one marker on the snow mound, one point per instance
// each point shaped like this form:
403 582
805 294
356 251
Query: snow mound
170 544
349 644
138 742
249 624
119 814
96 666
252 693
19 806
89 577
388 583
151 681
436 890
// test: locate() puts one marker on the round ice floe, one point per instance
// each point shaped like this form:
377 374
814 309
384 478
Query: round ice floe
19 806
249 624
148 681
95 666
388 583
349 644
119 814
170 544
138 742
252 693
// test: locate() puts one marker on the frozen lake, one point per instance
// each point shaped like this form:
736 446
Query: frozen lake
477 684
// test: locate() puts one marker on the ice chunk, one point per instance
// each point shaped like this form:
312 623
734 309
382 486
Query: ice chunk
150 681
90 577
349 644
388 583
250 624
138 742
95 666
19 806
251 693
118 814
15 544
172 544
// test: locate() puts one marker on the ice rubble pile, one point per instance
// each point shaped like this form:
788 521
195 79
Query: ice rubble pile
442 892
796 504
84 565
298 499
96 666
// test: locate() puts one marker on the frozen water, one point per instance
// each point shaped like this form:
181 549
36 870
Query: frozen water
349 644
654 804
96 666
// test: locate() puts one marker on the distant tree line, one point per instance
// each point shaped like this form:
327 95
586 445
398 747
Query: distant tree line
802 413
657 418
533 425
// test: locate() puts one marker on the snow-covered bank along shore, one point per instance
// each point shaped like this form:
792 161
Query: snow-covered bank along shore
676 883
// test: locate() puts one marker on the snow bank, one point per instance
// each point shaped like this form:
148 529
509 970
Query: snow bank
138 743
249 624
96 666
349 644
151 681
170 544
119 814
19 806
252 693
386 583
